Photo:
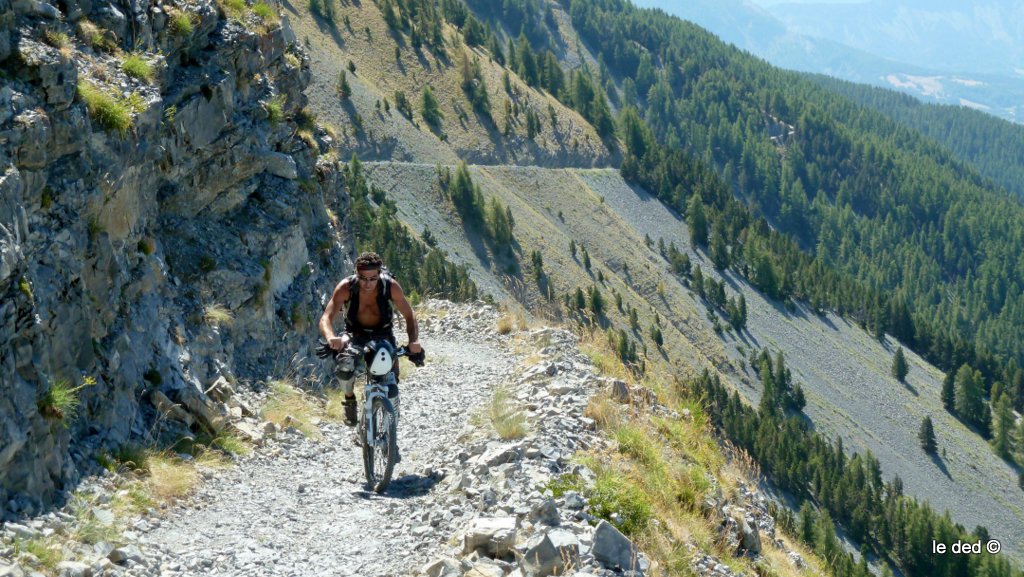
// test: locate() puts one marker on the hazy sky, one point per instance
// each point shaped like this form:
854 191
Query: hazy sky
773 2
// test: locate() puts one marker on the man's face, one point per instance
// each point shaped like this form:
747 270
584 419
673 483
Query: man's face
368 278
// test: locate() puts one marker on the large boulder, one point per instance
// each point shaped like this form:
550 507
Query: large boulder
491 536
557 551
613 549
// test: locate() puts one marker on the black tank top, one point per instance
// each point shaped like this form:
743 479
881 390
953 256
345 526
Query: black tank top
352 324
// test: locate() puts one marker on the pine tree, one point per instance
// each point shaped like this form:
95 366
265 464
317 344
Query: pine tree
1002 426
580 300
586 259
807 523
949 391
572 247
719 251
344 90
926 436
656 336
899 365
970 404
697 220
429 109
596 302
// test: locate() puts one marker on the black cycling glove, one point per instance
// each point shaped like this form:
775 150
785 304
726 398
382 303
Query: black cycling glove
419 358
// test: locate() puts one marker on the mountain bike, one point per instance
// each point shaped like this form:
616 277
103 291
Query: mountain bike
378 421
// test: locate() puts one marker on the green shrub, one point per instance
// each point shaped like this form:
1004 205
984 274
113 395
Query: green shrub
563 484
153 376
106 110
181 24
233 8
275 109
57 39
264 11
147 246
613 495
137 67
25 288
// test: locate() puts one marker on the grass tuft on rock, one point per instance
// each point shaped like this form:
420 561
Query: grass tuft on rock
181 24
136 66
108 111
218 315
506 416
265 12
233 8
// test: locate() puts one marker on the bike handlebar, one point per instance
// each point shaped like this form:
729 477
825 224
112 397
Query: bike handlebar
324 351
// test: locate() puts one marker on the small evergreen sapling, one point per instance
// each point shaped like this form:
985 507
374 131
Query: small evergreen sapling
927 436
899 365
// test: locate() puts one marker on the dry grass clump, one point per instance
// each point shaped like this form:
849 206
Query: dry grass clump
287 406
170 478
506 416
335 409
41 553
595 346
511 321
59 40
604 411
217 314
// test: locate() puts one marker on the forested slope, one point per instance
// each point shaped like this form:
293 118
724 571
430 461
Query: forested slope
878 222
994 147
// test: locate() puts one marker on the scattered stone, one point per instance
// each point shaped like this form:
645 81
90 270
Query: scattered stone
444 567
619 391
545 512
73 569
557 550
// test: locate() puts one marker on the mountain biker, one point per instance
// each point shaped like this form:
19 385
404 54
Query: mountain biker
369 295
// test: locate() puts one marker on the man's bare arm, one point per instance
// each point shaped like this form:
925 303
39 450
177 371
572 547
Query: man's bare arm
338 300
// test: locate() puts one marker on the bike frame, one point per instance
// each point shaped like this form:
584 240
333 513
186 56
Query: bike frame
376 387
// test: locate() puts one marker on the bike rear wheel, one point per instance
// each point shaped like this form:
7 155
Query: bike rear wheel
380 453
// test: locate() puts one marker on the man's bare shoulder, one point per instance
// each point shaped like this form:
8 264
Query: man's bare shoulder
395 287
342 290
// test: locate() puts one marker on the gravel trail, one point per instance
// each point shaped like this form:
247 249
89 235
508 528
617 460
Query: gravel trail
300 507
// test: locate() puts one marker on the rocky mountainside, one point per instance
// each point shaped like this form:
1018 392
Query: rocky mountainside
161 224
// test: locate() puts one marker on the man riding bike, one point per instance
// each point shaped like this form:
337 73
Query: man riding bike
369 295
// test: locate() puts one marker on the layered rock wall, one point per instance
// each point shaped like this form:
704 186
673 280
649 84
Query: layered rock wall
117 241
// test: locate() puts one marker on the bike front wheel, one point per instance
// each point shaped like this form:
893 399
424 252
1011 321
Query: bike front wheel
380 453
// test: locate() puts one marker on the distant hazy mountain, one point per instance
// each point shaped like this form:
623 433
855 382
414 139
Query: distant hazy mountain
965 36
839 40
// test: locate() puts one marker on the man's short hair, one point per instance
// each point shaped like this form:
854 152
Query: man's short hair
369 261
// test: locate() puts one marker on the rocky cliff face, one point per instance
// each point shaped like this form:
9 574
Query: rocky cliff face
162 225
